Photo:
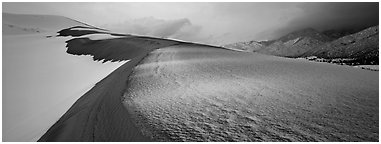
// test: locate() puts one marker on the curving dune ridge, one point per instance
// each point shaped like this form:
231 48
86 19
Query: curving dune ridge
99 114
191 92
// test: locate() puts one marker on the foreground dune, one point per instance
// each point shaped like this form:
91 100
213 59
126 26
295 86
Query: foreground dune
189 92
195 93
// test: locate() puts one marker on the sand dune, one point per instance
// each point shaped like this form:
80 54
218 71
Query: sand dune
99 114
181 91
32 53
193 92
190 93
16 24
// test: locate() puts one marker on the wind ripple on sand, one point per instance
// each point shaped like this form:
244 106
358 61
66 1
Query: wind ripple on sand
185 93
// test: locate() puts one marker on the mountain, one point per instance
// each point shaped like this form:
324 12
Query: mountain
307 32
267 43
291 45
362 46
295 43
292 48
338 33
251 46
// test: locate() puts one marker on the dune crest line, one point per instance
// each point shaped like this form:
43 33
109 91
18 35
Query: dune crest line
99 114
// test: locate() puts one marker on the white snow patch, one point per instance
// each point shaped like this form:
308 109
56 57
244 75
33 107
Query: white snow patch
41 81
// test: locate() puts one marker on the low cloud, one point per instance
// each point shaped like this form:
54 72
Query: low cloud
210 22
181 29
327 16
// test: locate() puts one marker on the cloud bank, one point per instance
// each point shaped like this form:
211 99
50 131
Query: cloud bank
327 16
214 23
182 29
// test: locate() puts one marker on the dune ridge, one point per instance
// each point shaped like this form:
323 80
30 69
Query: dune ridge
99 115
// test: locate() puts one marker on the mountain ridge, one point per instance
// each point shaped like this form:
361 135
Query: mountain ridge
361 45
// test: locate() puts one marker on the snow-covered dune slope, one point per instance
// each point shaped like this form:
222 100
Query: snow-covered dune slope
40 80
99 115
195 93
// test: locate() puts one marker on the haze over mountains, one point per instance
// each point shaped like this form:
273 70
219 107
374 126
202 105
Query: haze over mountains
362 46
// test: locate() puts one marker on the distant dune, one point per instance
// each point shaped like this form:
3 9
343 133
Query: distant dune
14 24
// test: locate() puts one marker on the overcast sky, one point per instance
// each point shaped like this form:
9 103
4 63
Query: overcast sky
214 23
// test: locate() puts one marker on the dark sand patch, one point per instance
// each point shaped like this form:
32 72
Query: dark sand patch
115 49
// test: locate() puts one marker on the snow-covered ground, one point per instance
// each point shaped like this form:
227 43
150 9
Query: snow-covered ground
193 93
41 81
368 67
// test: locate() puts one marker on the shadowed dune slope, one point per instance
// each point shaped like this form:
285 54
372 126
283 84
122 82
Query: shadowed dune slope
82 30
114 49
99 115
